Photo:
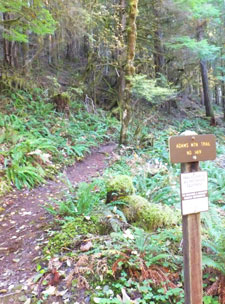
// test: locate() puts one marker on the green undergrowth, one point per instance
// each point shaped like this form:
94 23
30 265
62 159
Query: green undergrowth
131 218
155 178
36 141
136 259
130 253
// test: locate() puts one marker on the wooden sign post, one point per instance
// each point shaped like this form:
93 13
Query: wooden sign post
188 149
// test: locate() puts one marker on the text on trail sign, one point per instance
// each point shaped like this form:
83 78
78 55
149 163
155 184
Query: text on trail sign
194 192
192 148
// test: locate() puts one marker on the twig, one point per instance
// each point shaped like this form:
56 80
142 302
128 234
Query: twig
10 294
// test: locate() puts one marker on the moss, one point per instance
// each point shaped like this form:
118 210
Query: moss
2 209
119 185
4 186
66 95
147 215
116 112
65 238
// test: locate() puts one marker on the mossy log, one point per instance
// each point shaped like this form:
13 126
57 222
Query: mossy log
149 216
119 186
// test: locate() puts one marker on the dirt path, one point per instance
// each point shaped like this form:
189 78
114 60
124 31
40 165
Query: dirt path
24 222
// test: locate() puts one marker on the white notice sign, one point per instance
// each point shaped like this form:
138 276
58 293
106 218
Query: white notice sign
194 192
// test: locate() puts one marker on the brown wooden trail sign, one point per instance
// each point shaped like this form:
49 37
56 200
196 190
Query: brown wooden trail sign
188 149
192 148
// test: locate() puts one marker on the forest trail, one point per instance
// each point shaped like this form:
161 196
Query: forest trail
24 222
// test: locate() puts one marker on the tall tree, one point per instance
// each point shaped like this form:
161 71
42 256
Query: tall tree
199 14
158 47
129 69
204 75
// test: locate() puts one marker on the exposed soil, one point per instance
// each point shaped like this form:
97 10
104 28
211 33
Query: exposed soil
24 222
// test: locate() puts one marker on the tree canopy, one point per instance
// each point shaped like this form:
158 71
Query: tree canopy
27 17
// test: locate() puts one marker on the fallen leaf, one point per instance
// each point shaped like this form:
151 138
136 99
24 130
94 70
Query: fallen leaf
23 298
54 263
11 287
37 277
61 293
86 246
16 260
2 209
50 291
3 290
55 278
69 263
3 248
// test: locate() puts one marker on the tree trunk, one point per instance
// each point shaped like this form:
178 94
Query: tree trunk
158 48
204 75
129 69
70 46
28 61
206 91
158 55
217 95
121 54
223 98
25 56
50 49
7 45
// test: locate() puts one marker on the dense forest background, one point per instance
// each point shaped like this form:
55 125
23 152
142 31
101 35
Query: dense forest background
162 50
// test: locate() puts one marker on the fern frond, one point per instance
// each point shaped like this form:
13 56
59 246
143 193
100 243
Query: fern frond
211 263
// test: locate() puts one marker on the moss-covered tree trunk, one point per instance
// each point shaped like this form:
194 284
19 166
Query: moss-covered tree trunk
129 69
121 52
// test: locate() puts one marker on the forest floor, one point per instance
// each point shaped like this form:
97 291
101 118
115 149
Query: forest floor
24 223
61 243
